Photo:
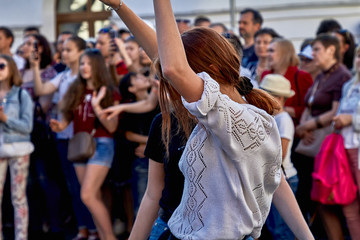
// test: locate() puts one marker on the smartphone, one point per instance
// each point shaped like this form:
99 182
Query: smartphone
113 34
36 49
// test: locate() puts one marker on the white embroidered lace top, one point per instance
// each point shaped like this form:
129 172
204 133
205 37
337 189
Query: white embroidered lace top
231 165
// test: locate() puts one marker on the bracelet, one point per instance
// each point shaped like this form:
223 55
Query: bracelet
115 9
318 123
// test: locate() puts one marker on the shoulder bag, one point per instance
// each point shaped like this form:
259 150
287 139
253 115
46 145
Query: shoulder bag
82 146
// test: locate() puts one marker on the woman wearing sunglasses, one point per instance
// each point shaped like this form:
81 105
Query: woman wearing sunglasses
16 122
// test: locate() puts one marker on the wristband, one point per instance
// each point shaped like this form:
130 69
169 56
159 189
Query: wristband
115 9
318 123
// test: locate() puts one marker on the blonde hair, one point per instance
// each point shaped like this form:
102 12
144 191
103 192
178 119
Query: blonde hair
288 56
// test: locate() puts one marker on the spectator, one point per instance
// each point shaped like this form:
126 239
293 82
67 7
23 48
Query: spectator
45 178
250 22
6 42
202 21
124 34
347 121
219 27
347 47
282 59
73 48
82 104
31 30
328 26
183 24
322 102
279 87
263 38
16 122
59 65
134 88
113 50
306 62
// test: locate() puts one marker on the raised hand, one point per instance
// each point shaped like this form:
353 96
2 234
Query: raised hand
97 97
113 111
112 3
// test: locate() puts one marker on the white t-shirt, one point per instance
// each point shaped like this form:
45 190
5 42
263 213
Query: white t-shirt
62 82
20 62
231 165
286 129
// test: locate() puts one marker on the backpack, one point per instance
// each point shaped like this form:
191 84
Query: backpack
333 181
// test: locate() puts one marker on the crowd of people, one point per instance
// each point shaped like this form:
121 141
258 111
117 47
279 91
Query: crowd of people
198 131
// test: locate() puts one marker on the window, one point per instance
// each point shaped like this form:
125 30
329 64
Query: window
82 17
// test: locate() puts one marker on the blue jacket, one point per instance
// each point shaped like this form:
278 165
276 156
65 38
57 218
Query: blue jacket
19 111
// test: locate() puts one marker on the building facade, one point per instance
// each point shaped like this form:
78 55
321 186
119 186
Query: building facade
293 19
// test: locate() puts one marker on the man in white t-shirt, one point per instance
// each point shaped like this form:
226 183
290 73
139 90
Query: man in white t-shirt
279 87
6 41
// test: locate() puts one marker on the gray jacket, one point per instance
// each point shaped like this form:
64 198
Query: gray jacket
18 107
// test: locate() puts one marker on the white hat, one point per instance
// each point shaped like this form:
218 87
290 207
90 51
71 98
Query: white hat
277 85
307 52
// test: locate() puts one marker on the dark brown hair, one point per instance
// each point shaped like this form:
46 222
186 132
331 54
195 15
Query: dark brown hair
328 40
76 92
207 51
14 75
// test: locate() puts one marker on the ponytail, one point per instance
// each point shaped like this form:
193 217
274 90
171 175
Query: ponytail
257 97
263 100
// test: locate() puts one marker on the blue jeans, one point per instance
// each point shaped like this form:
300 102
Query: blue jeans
83 216
158 228
139 180
276 225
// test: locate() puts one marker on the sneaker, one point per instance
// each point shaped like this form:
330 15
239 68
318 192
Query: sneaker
93 237
80 237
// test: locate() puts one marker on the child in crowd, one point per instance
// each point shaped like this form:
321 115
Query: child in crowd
279 87
16 123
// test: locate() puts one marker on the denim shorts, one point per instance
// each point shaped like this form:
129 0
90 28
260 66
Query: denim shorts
104 153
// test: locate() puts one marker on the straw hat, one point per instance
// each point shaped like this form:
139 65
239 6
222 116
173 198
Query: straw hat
277 85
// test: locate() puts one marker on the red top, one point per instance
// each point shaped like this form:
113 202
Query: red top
304 81
121 68
84 117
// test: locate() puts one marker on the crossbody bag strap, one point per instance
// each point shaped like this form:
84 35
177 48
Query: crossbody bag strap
297 86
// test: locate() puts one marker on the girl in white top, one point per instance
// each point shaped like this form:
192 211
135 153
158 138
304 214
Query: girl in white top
232 159
73 48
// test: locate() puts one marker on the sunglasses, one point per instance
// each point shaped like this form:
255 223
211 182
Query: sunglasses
104 30
187 21
2 66
305 60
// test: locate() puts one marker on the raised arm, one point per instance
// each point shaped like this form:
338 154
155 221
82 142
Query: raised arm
144 34
142 106
40 88
173 60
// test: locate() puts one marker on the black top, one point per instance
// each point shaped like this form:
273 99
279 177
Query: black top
174 179
138 123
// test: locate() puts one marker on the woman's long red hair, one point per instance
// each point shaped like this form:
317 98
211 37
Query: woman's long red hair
206 51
